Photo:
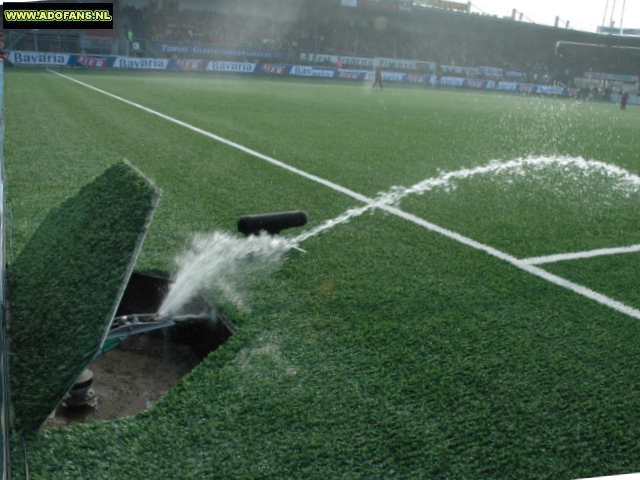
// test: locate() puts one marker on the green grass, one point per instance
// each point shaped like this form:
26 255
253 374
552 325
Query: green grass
387 351
64 288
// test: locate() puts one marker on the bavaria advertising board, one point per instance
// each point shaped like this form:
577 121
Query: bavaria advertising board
241 67
302 71
38 58
95 61
141 63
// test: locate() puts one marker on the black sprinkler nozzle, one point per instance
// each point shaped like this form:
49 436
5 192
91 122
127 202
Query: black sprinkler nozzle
272 223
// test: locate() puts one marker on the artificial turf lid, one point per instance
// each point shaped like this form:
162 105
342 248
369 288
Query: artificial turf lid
66 284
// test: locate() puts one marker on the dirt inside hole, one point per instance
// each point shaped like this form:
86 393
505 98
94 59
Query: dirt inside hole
130 378
137 373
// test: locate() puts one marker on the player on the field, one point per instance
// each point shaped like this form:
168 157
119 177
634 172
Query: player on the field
623 100
378 78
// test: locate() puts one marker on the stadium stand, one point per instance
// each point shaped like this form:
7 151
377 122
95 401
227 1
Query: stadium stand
444 37
456 41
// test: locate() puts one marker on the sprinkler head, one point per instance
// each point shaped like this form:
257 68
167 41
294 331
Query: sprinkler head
81 393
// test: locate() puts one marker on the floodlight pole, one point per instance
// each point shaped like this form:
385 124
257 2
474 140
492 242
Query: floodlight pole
622 15
613 9
604 17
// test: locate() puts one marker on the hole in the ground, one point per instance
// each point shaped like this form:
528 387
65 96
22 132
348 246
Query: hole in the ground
134 375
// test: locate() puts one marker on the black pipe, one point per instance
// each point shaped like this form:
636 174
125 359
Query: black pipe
272 223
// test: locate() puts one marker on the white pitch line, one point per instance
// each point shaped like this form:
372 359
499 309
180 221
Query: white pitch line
533 270
278 163
574 256
521 264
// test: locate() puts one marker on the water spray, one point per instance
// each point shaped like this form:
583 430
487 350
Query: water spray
219 259
214 258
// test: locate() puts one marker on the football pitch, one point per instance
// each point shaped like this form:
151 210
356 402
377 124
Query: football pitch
481 322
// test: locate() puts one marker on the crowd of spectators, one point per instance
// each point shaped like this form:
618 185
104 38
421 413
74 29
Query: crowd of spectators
532 52
166 22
